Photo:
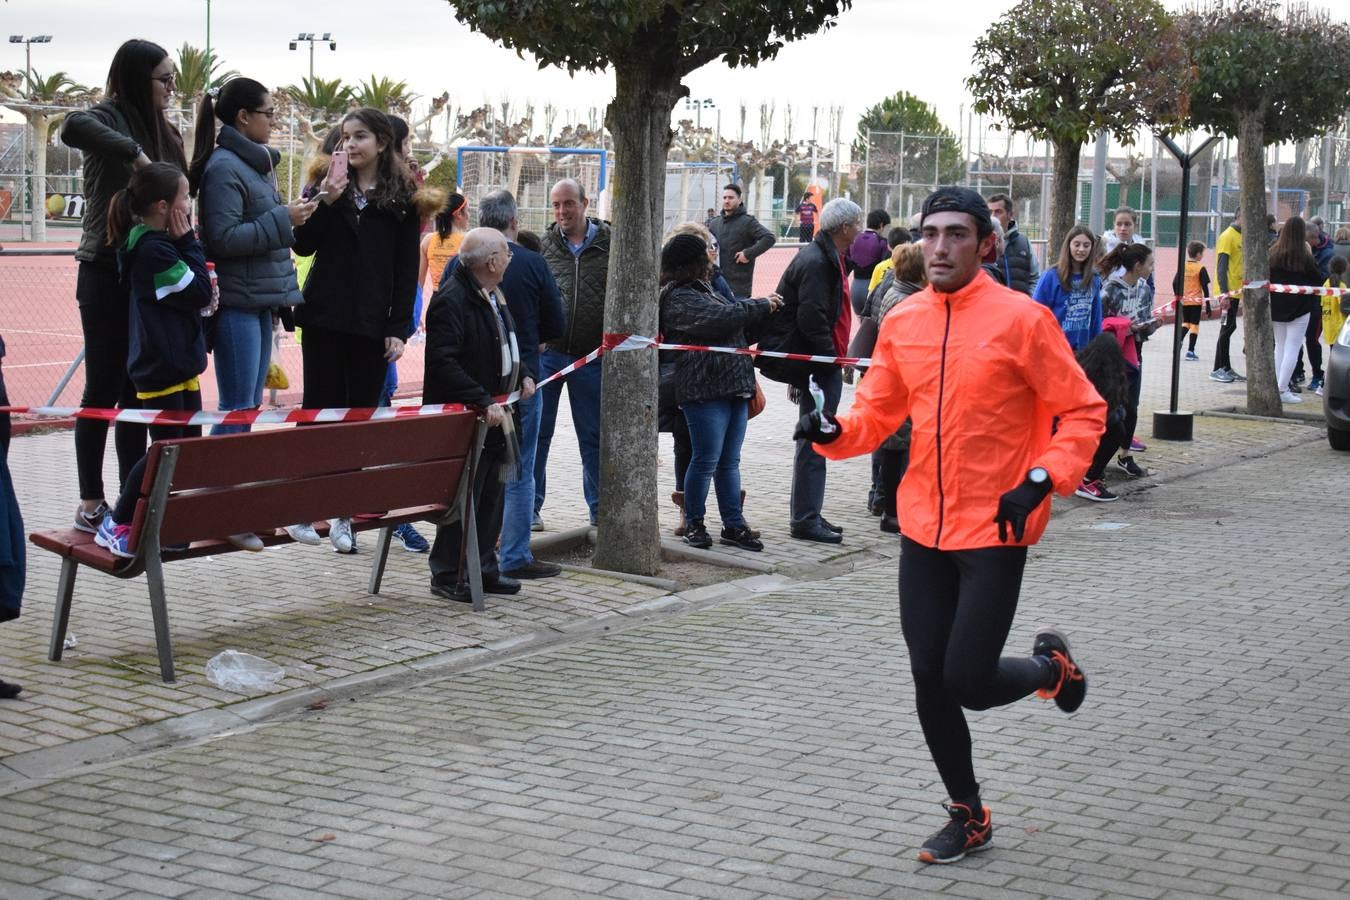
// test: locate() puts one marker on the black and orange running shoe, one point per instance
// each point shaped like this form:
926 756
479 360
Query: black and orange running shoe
962 834
1070 686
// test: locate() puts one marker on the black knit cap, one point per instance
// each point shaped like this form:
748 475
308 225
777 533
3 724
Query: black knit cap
682 250
958 199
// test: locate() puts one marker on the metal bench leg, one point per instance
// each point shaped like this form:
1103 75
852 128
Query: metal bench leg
474 561
65 590
381 557
159 611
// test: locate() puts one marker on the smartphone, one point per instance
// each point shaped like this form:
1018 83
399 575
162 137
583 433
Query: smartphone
316 197
337 169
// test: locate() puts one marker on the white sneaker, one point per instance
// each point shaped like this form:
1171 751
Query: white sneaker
1290 397
247 541
304 533
341 536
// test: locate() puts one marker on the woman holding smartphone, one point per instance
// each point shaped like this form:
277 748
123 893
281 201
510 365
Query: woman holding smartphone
359 294
247 230
127 131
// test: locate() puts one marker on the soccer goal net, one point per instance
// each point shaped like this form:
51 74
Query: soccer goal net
529 173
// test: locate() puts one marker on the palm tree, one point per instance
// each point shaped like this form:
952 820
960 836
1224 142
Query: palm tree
195 74
317 103
385 95
43 102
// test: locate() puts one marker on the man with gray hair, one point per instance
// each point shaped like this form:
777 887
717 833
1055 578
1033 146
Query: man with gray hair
816 319
472 357
536 305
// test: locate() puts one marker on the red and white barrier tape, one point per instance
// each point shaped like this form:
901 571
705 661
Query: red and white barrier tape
615 342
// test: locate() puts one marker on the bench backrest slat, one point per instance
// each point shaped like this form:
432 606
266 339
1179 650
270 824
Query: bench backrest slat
264 506
301 452
269 479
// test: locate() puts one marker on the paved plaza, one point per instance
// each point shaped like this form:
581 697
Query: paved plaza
598 737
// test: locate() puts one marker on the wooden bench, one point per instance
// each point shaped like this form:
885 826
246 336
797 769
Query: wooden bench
197 490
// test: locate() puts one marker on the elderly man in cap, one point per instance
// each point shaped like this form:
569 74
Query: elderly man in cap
984 455
472 357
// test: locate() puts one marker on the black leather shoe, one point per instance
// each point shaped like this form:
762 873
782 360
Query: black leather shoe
9 690
452 592
537 568
817 532
890 524
837 529
502 584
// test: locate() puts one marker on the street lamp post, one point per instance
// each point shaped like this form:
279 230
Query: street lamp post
698 105
308 37
28 51
30 147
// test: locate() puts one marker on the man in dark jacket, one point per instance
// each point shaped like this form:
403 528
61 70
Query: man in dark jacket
816 319
472 357
535 304
741 238
577 251
1020 267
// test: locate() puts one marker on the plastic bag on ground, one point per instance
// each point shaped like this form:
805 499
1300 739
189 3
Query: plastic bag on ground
242 672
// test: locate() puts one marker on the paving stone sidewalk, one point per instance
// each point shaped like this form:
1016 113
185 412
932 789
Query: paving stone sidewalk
766 747
306 609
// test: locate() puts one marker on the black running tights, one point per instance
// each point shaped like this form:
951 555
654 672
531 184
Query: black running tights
956 607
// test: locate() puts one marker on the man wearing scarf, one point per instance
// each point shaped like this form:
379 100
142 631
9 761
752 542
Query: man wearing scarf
472 356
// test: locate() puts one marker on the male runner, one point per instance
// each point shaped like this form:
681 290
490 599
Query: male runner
983 373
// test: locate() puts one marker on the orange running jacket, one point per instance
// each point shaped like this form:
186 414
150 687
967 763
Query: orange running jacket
982 372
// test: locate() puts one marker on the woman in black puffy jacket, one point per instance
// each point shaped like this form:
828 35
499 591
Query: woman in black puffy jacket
712 390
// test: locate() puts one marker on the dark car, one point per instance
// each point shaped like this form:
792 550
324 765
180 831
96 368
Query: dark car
1336 392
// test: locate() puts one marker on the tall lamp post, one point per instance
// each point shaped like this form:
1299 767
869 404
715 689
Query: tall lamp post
28 43
30 148
308 37
698 105
1172 424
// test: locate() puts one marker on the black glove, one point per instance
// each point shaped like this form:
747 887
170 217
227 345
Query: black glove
1017 504
809 427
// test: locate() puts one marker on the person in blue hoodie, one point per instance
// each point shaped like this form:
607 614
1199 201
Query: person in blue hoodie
164 267
1072 290
12 560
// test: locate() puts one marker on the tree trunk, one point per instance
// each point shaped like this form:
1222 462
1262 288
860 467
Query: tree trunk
1063 192
1263 396
37 185
639 119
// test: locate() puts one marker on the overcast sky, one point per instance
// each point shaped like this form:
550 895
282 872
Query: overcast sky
877 48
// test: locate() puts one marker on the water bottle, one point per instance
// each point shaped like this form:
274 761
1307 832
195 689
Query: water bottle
210 308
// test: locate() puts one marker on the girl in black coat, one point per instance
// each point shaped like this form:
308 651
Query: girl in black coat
359 295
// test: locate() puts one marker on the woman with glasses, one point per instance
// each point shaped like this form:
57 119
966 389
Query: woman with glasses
247 230
128 130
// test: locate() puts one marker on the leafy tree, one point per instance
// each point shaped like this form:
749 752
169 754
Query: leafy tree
317 104
651 45
43 103
384 94
1062 70
1264 76
908 145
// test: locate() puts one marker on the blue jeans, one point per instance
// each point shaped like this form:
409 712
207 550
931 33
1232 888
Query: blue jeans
716 431
518 508
583 393
390 385
243 348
